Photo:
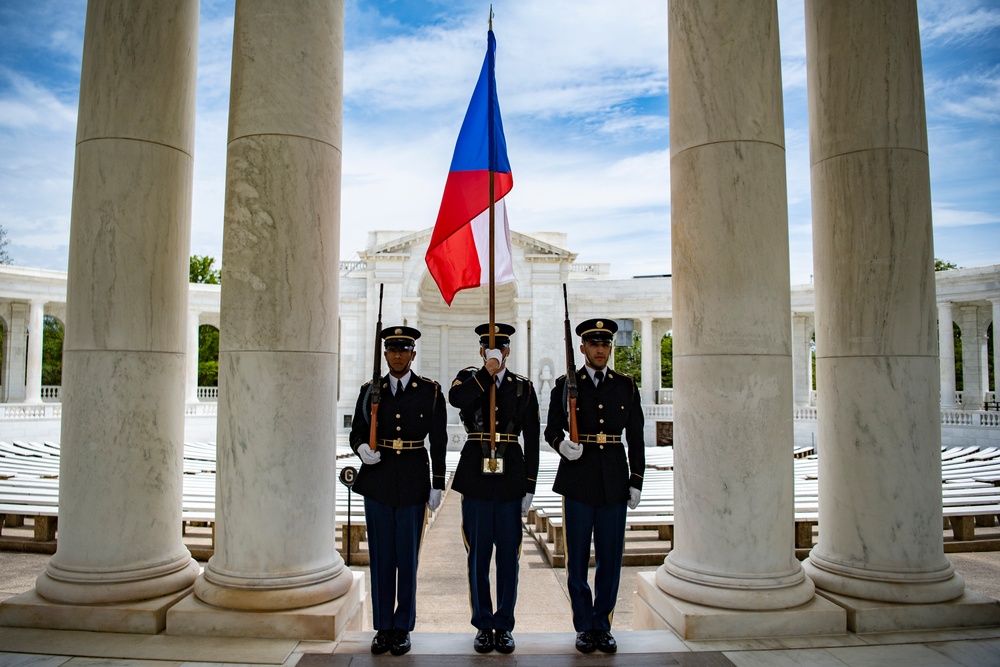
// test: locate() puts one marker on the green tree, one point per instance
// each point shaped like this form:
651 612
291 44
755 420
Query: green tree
52 348
208 356
628 360
941 265
202 271
667 361
5 257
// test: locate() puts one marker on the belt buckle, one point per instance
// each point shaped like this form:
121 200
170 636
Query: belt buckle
496 437
397 443
601 438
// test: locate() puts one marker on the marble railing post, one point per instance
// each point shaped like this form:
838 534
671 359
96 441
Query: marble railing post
120 472
731 312
973 362
880 478
36 334
191 386
650 383
801 358
946 353
275 507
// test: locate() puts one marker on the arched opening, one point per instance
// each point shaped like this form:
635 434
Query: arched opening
208 360
52 349
958 356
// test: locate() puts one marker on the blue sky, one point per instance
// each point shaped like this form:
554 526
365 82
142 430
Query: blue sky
583 92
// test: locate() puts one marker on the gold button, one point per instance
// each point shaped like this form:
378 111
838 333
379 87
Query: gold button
398 416
398 452
600 405
602 447
601 420
399 428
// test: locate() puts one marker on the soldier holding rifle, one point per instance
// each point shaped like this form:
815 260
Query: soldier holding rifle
402 410
594 477
496 478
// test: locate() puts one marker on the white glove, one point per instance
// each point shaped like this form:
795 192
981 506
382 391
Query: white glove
494 354
526 503
571 450
434 501
368 457
633 497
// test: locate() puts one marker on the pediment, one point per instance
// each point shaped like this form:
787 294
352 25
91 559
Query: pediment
406 242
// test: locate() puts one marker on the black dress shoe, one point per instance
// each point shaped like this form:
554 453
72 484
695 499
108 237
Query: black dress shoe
604 641
585 642
504 641
483 643
380 643
400 642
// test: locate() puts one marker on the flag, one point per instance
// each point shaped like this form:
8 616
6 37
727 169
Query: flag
458 255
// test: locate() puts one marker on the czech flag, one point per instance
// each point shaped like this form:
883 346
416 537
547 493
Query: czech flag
458 255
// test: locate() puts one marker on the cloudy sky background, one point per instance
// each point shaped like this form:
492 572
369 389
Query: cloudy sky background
583 93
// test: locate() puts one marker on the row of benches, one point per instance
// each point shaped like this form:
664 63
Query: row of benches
970 499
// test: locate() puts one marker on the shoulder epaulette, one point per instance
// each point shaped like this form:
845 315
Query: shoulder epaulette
521 377
426 379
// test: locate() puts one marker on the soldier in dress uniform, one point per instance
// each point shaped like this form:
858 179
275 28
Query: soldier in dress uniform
595 480
395 480
496 485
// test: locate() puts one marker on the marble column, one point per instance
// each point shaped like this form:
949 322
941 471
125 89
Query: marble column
731 313
647 392
191 386
15 353
946 353
124 351
443 344
973 386
877 360
521 345
275 507
996 348
36 334
801 358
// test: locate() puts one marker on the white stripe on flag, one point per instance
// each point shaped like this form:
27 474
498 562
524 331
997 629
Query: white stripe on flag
502 253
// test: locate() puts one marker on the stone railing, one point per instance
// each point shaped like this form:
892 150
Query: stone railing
201 409
209 393
654 411
350 267
50 392
664 395
43 411
805 412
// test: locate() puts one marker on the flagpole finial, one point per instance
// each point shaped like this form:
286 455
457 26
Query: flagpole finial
491 16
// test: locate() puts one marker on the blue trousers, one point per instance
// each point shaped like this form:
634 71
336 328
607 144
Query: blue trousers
606 525
487 524
393 544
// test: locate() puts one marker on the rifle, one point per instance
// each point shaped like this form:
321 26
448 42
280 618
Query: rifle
571 390
376 374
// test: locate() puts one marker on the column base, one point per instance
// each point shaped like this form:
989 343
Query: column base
90 588
971 610
325 621
656 610
276 594
780 591
892 587
31 610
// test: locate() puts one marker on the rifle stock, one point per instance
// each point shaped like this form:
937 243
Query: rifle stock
571 389
376 375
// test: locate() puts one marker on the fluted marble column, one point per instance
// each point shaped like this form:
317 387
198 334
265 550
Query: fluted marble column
15 353
996 348
36 334
191 385
731 309
120 472
974 360
275 505
946 353
647 391
801 358
877 362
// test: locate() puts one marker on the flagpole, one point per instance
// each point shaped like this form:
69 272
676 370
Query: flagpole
490 128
